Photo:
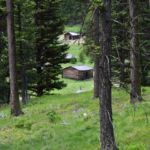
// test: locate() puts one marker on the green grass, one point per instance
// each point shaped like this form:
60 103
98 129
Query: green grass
74 85
75 49
75 28
55 122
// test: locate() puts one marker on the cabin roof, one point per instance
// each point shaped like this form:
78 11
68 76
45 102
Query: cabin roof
69 56
72 33
80 68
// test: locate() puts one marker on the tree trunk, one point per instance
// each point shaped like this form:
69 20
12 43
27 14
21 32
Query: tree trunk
14 100
96 55
106 126
135 75
96 77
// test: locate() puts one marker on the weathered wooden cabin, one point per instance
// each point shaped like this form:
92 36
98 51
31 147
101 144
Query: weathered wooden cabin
78 72
71 36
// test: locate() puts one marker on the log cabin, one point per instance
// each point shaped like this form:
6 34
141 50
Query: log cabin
78 72
71 36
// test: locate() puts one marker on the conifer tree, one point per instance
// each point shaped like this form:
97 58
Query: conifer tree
135 53
4 85
14 99
105 91
50 53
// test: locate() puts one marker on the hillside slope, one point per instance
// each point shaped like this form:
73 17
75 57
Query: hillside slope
71 122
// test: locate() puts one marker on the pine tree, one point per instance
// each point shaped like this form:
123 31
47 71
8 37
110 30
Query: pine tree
106 125
97 34
50 53
135 53
144 20
14 99
24 32
4 85
120 55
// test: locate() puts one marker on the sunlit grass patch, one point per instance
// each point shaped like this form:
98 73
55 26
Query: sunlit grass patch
74 28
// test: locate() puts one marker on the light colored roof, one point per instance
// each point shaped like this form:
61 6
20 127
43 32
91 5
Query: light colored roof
72 33
82 68
69 56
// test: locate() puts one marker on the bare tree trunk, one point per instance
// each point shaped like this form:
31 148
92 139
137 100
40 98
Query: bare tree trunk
106 126
96 55
14 100
135 54
96 77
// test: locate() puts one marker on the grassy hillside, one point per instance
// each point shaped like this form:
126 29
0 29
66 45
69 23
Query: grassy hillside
71 122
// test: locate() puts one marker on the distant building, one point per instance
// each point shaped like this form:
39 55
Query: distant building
71 36
71 57
78 72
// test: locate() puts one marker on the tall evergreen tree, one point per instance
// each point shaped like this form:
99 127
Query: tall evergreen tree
25 41
96 23
144 19
74 11
106 125
120 42
14 99
50 53
24 32
4 84
20 50
135 53
92 32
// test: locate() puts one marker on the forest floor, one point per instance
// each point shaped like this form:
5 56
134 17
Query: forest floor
70 121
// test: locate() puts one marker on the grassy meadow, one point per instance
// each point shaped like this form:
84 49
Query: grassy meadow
70 121
69 118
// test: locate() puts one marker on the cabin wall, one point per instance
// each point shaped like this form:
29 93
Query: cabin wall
85 74
67 37
70 73
75 37
70 37
76 74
